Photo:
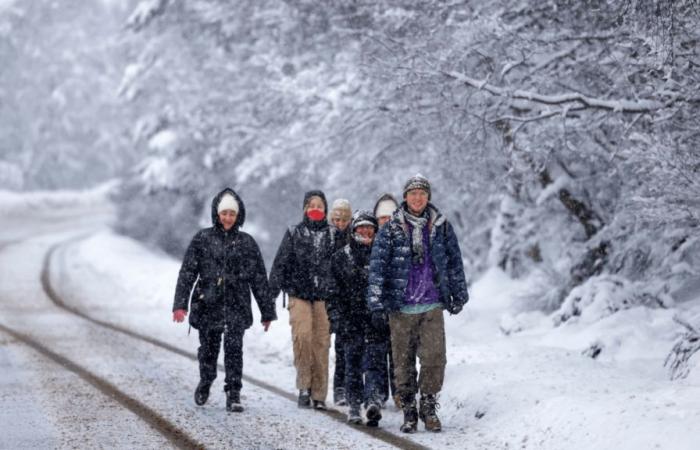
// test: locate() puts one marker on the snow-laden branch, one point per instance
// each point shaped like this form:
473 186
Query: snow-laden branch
559 99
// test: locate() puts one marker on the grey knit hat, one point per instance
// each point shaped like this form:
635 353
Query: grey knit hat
417 181
364 217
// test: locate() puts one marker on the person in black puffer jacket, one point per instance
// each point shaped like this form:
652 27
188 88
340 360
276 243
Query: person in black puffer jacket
302 270
341 216
360 337
223 264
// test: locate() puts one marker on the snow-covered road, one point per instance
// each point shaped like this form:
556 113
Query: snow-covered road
532 389
47 403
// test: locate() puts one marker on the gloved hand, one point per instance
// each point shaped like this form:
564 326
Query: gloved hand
379 319
454 307
179 315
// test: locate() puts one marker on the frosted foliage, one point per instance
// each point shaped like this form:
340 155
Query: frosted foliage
561 140
604 295
61 123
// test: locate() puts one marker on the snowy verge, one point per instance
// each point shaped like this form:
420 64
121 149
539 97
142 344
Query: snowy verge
534 388
12 202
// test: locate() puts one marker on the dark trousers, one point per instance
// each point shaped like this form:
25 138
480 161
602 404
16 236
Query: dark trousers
366 374
208 354
377 370
339 374
387 386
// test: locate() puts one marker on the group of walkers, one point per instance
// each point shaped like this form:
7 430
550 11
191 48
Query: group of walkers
379 280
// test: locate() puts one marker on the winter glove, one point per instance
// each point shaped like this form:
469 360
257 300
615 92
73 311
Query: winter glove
379 320
454 307
179 315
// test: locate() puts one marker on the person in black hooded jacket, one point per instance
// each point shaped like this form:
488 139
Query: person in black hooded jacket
302 270
361 339
223 264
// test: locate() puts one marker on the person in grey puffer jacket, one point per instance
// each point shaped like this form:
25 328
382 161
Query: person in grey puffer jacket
416 272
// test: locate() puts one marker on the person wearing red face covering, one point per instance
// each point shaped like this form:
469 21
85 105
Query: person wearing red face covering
302 270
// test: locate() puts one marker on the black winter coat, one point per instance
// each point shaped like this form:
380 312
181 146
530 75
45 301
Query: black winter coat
348 306
302 266
341 237
226 266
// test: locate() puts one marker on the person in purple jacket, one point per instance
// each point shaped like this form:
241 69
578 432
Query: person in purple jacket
416 272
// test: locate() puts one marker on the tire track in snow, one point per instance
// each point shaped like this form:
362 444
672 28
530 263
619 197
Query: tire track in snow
377 433
168 430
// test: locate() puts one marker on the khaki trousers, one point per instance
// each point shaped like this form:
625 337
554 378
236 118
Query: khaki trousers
421 335
311 341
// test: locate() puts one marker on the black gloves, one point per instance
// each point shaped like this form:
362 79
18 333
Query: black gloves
454 307
380 321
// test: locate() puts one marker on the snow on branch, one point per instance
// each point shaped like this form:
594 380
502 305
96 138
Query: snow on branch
559 99
685 347
144 12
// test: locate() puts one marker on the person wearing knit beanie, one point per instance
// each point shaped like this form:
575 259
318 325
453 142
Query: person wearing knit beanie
417 181
341 214
209 282
227 203
384 208
416 273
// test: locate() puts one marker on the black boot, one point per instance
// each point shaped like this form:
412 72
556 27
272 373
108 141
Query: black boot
304 399
339 396
410 414
201 394
233 401
374 414
320 404
354 416
428 412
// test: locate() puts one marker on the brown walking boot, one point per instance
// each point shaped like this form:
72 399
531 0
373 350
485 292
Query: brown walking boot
428 412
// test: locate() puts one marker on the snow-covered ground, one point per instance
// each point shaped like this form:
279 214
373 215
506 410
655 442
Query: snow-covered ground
533 388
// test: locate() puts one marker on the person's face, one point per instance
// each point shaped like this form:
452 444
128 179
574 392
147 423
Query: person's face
228 218
340 222
315 203
383 219
366 232
417 200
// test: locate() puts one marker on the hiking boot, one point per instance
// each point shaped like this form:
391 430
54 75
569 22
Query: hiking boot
201 394
304 399
354 415
410 414
428 412
374 414
233 401
339 396
319 404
